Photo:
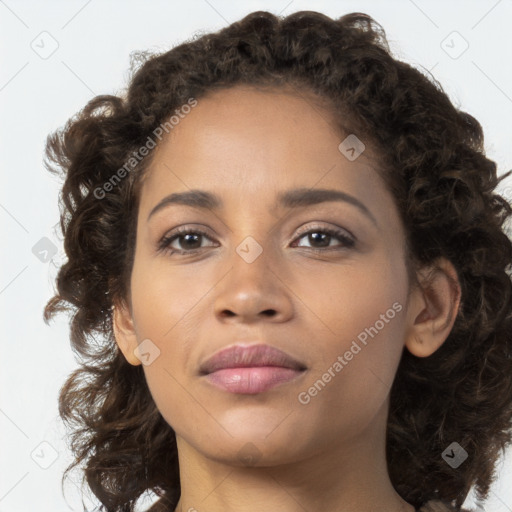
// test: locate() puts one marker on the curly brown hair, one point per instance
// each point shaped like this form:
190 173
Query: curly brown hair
433 160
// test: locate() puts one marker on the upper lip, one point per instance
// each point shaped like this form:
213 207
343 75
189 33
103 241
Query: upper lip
239 356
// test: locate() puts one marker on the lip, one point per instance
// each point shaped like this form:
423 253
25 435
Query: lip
250 369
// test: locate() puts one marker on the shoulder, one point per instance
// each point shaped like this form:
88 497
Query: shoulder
440 506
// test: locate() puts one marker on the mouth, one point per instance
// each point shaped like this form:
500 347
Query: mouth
250 369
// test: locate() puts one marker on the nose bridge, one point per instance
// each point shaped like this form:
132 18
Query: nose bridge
252 260
251 287
252 234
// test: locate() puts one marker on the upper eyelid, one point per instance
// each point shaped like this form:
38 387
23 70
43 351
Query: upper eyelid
305 228
302 231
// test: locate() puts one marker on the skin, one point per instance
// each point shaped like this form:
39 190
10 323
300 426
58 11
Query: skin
246 146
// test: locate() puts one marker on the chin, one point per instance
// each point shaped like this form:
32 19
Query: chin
253 453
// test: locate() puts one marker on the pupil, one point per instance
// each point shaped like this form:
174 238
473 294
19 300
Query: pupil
315 236
187 239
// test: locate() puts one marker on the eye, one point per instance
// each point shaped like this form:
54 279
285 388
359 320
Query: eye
321 238
188 239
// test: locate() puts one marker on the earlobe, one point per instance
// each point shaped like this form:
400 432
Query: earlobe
433 308
124 332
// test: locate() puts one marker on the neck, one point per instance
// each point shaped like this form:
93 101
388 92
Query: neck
350 476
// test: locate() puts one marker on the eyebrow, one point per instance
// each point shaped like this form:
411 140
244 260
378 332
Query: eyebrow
295 198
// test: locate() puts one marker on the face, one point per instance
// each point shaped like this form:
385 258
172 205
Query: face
322 278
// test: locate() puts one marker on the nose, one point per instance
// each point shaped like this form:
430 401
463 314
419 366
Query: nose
255 291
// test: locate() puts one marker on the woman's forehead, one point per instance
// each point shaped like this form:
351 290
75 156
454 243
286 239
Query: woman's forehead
248 138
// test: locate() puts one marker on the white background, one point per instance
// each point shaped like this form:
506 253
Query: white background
37 95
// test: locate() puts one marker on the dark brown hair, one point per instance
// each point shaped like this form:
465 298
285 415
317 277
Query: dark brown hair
432 157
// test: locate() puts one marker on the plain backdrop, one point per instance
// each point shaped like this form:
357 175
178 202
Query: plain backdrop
57 55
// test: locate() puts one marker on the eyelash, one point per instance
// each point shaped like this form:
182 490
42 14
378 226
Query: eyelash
347 240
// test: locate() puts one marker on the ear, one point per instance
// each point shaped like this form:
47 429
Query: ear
433 308
124 332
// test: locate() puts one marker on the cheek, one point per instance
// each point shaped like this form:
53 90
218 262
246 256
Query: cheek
164 295
358 311
346 300
168 304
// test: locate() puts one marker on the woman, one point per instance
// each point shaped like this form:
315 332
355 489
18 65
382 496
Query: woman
291 246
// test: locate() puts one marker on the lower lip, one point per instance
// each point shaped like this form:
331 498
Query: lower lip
253 380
